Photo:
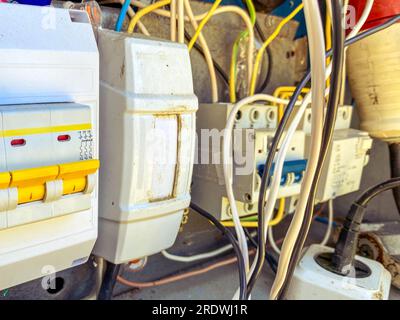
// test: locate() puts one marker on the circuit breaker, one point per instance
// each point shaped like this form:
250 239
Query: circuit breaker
48 141
147 118
344 164
254 129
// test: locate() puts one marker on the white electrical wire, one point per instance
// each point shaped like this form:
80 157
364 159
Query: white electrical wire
272 242
197 257
181 21
363 19
201 256
172 8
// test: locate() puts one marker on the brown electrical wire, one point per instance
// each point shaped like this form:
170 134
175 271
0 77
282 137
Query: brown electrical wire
179 276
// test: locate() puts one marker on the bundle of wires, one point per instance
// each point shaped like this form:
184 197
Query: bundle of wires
290 107
329 124
307 195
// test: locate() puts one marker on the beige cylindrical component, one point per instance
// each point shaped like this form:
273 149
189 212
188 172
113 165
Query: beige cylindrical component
374 76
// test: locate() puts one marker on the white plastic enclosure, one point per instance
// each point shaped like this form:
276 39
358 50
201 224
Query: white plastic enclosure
147 119
49 68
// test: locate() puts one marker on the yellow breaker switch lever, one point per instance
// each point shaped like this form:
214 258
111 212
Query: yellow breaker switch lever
74 175
31 183
5 180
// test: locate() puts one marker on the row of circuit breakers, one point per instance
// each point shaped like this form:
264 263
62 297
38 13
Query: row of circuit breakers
98 144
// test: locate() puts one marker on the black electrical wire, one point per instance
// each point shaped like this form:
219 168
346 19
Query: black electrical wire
394 151
217 66
338 47
275 142
268 257
250 237
371 193
109 280
226 232
267 77
346 246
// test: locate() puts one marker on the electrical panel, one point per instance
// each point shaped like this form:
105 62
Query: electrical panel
147 118
253 135
344 164
252 139
48 141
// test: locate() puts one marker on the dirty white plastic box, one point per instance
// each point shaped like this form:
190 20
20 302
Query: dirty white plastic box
147 120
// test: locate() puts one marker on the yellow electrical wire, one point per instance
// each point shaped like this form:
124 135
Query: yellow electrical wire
232 73
145 11
260 52
244 224
285 92
203 23
254 224
328 40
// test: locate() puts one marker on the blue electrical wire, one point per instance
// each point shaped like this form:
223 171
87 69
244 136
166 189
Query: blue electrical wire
122 15
325 221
